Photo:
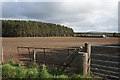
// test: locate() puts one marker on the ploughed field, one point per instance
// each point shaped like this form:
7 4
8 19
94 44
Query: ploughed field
10 44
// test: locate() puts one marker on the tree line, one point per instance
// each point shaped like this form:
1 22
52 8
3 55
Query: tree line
20 28
87 34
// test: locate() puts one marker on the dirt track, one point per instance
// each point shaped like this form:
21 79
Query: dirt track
10 44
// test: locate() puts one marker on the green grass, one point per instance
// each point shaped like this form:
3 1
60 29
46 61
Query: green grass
14 70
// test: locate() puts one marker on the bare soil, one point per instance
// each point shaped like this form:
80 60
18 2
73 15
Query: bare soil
10 44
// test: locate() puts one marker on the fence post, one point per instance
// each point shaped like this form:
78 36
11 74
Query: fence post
88 50
2 54
34 56
44 57
83 63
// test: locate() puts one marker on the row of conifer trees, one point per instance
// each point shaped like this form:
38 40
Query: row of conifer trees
19 28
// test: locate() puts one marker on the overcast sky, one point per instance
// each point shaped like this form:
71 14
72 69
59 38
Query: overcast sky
99 15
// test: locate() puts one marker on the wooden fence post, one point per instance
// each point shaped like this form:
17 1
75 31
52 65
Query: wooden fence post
88 50
44 57
34 56
83 63
2 54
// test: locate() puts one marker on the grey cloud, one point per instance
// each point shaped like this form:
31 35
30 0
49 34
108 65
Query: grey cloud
82 16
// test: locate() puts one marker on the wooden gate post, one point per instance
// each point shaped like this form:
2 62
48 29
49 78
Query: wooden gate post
83 63
34 56
88 50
